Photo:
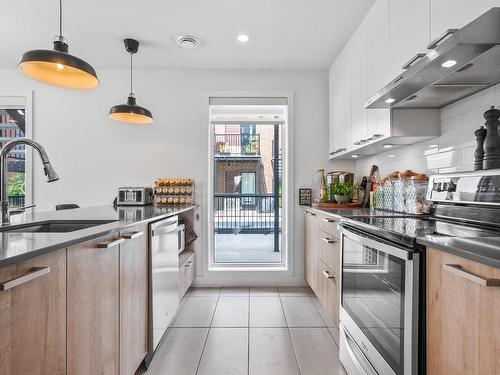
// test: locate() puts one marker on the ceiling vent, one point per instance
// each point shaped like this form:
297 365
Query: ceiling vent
188 42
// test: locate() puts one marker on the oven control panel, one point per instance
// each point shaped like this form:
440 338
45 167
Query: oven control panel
476 187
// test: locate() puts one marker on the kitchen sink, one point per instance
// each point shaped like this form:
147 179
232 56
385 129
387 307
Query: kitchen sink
54 226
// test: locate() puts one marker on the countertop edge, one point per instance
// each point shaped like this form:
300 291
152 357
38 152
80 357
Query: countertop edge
87 237
461 252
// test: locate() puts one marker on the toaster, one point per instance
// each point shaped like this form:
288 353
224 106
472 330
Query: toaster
134 196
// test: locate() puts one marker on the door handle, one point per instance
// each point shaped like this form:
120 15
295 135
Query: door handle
457 269
32 274
328 240
132 235
110 244
328 274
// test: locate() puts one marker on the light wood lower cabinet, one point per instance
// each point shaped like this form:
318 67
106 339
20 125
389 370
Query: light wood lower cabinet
133 298
322 260
33 316
463 316
93 307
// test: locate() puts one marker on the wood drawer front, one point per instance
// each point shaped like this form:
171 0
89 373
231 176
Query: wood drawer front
33 316
329 290
463 321
329 225
329 251
187 273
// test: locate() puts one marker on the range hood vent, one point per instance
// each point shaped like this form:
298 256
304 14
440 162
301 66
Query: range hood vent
459 63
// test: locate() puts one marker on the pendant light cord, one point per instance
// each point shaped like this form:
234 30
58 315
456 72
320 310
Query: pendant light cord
60 19
131 76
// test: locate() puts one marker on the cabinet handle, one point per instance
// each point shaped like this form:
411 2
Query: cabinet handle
32 274
327 274
440 38
328 220
312 214
188 263
408 65
132 235
110 244
328 240
457 269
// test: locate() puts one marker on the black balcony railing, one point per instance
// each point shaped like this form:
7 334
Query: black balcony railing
237 144
16 200
245 213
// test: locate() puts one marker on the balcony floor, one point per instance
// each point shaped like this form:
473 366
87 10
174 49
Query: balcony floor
246 248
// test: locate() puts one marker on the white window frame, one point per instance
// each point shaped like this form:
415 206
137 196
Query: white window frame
285 268
12 99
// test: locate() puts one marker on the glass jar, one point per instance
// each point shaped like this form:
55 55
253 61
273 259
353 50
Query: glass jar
388 195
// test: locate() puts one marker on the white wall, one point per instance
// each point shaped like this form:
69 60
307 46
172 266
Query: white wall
451 152
94 155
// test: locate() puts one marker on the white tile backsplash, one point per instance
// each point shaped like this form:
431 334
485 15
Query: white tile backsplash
453 151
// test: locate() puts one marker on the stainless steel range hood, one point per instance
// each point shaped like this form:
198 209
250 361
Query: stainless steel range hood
472 55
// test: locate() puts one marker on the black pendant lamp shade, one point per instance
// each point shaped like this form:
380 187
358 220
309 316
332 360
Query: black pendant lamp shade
131 112
57 67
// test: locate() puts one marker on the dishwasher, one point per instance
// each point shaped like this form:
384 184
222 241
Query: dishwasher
166 242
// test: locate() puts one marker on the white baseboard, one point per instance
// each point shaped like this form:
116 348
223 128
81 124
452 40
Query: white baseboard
236 280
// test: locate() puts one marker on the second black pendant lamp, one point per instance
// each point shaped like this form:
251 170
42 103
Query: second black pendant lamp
57 67
131 112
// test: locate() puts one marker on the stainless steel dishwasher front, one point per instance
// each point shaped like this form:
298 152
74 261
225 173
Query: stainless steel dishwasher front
166 239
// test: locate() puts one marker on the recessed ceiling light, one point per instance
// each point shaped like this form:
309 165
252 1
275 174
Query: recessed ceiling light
243 38
388 146
391 156
188 41
355 156
390 100
449 64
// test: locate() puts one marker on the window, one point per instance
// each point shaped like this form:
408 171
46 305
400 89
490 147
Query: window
15 123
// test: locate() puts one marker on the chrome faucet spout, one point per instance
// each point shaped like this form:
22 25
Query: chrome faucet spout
47 166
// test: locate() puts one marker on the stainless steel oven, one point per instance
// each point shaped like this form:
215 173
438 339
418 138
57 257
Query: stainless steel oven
380 322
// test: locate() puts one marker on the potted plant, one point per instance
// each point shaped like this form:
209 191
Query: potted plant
342 191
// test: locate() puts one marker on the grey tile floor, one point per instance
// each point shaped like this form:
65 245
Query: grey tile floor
249 331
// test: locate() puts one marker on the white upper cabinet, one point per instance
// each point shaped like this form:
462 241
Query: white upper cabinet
409 32
340 104
454 14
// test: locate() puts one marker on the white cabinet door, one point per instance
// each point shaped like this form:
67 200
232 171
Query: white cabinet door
340 88
376 30
453 14
409 31
359 92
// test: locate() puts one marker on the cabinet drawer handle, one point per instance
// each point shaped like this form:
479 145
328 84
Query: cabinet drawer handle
110 244
328 220
328 240
457 269
132 235
188 263
328 275
312 214
33 273
408 65
440 38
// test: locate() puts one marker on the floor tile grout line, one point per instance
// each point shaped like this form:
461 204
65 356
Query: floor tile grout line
208 334
290 338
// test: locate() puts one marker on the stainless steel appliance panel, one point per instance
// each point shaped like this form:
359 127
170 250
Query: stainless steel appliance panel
379 302
166 242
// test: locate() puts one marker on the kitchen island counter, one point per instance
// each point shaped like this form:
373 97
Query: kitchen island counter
19 246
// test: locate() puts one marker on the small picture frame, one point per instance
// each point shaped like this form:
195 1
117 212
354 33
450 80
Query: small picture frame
305 197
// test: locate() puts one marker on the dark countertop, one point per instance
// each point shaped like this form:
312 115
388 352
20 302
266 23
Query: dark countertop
16 247
484 250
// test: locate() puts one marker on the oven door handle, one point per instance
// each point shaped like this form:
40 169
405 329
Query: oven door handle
365 240
355 359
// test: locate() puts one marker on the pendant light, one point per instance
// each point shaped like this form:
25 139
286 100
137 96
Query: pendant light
57 67
131 112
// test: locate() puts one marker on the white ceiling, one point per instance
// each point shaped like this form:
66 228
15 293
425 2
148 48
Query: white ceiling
284 34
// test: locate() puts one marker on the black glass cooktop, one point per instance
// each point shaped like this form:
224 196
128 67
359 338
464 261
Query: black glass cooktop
406 230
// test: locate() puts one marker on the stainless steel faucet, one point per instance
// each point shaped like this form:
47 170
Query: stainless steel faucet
49 171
